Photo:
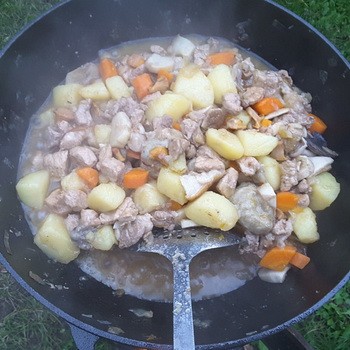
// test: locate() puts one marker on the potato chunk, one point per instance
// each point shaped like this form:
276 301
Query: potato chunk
32 188
212 210
102 133
272 171
104 238
224 143
169 184
174 105
54 240
97 91
192 83
305 226
147 198
73 181
325 190
222 81
256 143
117 87
106 197
66 95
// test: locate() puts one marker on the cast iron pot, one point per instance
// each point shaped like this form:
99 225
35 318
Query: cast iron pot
70 35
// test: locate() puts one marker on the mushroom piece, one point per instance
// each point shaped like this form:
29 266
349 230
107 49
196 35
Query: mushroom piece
320 164
305 167
318 145
254 116
277 113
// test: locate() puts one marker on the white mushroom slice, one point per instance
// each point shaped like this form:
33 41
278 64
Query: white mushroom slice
181 46
277 113
155 63
254 116
273 276
321 164
268 193
186 223
305 167
196 184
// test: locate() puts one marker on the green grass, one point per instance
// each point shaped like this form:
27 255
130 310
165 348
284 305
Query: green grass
26 324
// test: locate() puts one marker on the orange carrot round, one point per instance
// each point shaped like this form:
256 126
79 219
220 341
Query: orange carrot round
318 125
107 68
267 105
278 258
287 201
89 175
135 178
142 84
227 57
299 260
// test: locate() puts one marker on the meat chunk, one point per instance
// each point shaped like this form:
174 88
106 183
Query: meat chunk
289 177
109 167
130 232
64 113
192 132
83 114
177 147
72 221
196 184
57 163
63 202
55 133
255 214
214 118
164 219
232 103
72 139
252 95
75 199
283 229
248 165
89 218
207 160
82 156
126 212
227 184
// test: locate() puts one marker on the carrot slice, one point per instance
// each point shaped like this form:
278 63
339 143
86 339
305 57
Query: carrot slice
132 154
265 123
267 105
318 125
287 201
107 68
177 126
278 258
299 260
142 84
89 175
164 73
226 57
174 205
135 178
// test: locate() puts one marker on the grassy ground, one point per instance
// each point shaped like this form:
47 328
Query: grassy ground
26 324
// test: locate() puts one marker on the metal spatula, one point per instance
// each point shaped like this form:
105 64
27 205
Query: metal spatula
180 247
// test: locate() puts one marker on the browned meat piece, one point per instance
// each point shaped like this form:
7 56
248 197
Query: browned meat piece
134 109
207 160
282 229
198 115
127 211
72 221
232 103
82 156
161 85
250 243
304 200
164 219
72 139
248 165
57 163
195 184
83 114
64 113
161 123
304 186
227 184
129 74
298 101
252 95
200 54
215 118
109 167
289 176
89 218
269 80
255 214
177 147
76 199
55 133
151 97
129 233
192 132
135 60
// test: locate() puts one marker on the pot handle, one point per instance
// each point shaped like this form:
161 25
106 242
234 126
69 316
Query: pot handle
83 340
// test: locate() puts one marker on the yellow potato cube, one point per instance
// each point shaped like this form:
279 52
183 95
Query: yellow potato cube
96 91
117 87
66 95
106 197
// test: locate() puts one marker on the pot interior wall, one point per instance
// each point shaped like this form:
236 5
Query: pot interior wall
70 36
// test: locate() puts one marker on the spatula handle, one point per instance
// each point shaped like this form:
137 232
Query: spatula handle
182 312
